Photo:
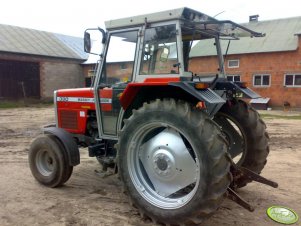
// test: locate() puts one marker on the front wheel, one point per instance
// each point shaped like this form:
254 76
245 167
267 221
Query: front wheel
48 161
172 161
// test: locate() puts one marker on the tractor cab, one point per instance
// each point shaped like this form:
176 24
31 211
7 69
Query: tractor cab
147 56
158 45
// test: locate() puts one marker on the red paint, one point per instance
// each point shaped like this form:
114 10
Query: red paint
83 107
80 92
81 121
162 80
75 106
132 89
108 94
129 94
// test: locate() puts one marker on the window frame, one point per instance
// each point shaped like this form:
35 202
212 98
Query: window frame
106 50
294 78
261 85
233 77
141 61
233 60
123 66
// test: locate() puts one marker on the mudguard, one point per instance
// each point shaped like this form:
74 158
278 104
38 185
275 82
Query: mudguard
68 142
212 100
237 86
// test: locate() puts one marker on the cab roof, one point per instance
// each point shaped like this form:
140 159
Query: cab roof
208 25
173 14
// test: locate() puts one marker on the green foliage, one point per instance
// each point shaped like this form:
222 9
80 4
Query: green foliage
6 104
271 116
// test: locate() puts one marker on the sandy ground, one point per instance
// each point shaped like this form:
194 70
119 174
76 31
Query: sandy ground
88 199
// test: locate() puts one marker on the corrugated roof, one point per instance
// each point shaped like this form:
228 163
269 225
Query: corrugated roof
15 39
280 36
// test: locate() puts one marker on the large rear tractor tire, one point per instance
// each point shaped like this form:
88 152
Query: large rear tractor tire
246 134
172 162
48 161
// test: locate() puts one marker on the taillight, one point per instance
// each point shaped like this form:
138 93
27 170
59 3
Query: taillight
201 85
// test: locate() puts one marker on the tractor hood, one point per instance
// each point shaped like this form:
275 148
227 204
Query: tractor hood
80 93
72 108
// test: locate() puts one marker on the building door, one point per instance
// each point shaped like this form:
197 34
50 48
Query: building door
19 79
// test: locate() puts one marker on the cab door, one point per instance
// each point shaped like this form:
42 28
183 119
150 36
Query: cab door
118 67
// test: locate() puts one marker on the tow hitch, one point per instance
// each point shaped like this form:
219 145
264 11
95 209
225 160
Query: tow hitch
241 173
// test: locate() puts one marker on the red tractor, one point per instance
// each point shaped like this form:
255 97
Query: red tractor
180 142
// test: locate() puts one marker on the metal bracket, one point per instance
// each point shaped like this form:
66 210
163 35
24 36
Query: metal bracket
256 177
239 200
238 173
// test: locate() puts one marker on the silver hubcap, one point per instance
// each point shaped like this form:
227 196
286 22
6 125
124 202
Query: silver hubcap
164 170
45 163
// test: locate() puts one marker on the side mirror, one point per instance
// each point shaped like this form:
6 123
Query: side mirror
164 54
87 42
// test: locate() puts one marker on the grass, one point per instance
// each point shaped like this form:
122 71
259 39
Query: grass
270 116
7 104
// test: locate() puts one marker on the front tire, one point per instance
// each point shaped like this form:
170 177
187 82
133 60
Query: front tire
48 161
172 162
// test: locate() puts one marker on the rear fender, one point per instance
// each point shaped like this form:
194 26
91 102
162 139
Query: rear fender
237 87
68 142
213 101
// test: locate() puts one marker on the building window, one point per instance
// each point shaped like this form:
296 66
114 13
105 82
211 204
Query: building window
233 63
292 80
91 73
261 80
123 66
233 78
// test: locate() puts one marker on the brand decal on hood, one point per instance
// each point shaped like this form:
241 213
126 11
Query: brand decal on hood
83 100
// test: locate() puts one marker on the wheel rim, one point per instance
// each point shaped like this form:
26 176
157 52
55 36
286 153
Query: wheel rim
163 166
45 163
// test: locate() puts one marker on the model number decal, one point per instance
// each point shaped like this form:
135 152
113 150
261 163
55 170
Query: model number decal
83 100
62 99
75 99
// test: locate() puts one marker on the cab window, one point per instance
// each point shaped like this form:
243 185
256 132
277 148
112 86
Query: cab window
160 51
119 60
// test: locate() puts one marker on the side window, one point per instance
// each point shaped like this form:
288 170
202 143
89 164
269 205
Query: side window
119 60
160 51
292 80
261 80
233 78
233 63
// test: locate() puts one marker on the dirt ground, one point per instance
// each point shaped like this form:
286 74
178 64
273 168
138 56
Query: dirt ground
88 199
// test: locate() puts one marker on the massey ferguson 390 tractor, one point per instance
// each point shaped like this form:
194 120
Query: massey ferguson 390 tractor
180 142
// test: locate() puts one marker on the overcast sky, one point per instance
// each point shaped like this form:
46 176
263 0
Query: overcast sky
71 17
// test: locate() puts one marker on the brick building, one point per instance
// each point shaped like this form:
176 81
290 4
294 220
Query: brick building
35 63
270 65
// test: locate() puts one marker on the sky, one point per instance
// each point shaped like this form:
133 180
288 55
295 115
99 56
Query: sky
72 17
